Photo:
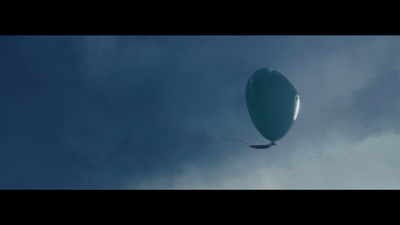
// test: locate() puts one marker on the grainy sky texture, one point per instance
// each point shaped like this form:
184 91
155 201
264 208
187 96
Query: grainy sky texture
107 112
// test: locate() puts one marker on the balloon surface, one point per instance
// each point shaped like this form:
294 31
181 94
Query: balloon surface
273 103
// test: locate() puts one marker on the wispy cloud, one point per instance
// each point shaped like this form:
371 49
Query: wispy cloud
368 164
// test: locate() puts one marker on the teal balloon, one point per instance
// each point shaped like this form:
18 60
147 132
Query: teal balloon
273 103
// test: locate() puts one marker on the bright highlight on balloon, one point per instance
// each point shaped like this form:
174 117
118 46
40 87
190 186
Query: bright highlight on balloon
296 112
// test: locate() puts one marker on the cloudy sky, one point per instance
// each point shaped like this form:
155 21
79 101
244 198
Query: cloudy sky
113 112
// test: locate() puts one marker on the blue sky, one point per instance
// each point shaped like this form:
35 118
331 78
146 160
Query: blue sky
101 112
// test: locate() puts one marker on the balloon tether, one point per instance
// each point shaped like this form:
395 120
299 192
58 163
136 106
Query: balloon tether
220 139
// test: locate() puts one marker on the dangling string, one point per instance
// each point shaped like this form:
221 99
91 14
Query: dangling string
220 139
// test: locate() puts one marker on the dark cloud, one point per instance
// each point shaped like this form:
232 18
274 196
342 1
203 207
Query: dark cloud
101 112
375 108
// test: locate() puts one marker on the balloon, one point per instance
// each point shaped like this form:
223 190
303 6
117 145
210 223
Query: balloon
273 103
